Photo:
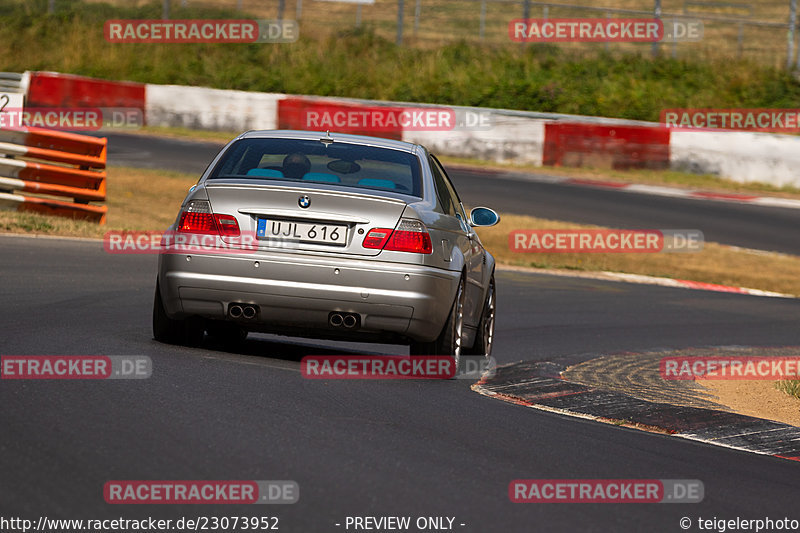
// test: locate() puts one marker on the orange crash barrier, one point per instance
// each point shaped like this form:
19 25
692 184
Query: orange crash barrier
53 163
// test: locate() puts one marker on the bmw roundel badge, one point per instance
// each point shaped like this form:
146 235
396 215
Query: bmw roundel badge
304 201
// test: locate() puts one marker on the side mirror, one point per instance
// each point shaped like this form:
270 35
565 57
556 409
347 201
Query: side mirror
483 216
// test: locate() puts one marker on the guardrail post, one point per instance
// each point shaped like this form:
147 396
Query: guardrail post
399 22
794 23
740 42
675 41
526 14
656 14
790 36
483 19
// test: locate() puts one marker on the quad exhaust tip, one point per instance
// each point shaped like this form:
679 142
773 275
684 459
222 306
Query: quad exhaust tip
346 320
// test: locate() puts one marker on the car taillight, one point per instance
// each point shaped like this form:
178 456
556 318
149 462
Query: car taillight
227 224
409 236
198 218
410 241
376 238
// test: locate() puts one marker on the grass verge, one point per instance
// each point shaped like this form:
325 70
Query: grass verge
141 199
171 132
790 387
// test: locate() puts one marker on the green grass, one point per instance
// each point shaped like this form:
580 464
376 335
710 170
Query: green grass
363 64
790 387
443 21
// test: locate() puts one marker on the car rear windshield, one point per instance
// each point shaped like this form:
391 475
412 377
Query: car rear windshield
337 163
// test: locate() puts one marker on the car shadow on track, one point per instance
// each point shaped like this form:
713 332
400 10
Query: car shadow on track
294 349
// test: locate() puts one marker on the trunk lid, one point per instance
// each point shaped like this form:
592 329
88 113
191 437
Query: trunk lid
304 219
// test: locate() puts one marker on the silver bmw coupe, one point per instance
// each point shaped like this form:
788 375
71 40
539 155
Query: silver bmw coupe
330 236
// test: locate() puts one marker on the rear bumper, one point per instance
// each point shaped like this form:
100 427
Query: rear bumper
300 291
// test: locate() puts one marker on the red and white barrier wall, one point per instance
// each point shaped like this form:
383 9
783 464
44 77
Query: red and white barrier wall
510 139
51 89
738 155
575 144
210 109
511 136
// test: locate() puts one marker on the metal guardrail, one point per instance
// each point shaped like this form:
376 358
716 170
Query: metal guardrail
79 172
12 82
791 26
622 11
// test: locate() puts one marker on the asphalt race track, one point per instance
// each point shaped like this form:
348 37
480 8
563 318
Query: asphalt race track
357 448
749 226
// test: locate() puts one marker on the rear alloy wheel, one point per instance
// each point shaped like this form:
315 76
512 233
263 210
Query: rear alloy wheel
485 336
188 332
451 338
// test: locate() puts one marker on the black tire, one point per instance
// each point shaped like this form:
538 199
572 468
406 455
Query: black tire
187 332
484 337
449 340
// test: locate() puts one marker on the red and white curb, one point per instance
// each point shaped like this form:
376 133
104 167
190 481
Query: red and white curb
697 285
769 201
529 387
658 190
650 280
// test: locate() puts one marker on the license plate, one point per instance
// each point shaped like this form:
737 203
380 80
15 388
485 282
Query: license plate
302 232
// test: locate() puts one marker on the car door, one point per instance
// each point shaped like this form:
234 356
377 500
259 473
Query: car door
470 247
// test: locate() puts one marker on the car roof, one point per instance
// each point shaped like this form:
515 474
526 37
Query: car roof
341 137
